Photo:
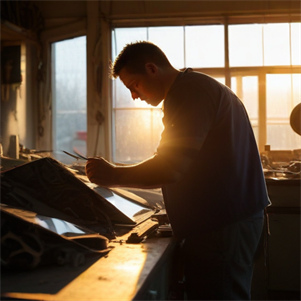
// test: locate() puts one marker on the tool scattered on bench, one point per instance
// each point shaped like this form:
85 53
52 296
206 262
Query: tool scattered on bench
142 231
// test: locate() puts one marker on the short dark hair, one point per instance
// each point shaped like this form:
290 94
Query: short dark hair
134 56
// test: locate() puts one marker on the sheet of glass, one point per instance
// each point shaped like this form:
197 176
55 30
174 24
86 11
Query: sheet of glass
204 46
129 204
55 225
245 45
171 41
128 208
296 43
276 44
123 36
137 134
58 226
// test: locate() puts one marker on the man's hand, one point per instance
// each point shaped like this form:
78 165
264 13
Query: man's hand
151 173
101 172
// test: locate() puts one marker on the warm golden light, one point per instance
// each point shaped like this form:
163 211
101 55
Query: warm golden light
251 46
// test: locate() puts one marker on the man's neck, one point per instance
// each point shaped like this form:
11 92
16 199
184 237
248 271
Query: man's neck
170 76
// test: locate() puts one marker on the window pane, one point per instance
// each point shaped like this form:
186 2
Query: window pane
171 41
137 134
276 44
250 96
205 46
245 45
246 88
123 36
69 96
278 95
296 43
279 106
249 45
282 137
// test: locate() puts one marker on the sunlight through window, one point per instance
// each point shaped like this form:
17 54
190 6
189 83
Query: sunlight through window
171 41
245 45
296 43
276 44
246 88
252 47
69 97
205 46
279 106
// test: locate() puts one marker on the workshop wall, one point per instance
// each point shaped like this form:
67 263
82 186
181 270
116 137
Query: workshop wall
66 19
145 8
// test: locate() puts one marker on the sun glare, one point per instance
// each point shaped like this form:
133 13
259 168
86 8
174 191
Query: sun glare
138 125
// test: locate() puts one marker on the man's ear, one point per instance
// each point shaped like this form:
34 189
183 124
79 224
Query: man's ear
151 69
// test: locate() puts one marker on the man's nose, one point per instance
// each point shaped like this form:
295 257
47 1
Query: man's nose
135 95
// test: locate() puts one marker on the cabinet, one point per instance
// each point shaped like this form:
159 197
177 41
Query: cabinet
283 243
12 32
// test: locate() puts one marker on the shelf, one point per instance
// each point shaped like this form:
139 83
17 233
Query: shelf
11 32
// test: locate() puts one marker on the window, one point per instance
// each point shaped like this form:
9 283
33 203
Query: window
282 95
261 56
265 48
245 45
209 54
246 88
69 97
137 126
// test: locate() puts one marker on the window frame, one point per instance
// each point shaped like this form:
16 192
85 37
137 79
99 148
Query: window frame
58 152
227 72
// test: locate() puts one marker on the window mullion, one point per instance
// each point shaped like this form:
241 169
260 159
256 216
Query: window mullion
227 69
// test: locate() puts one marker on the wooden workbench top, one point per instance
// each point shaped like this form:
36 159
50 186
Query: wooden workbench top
120 275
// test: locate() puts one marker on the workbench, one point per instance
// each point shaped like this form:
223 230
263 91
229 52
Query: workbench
127 272
128 269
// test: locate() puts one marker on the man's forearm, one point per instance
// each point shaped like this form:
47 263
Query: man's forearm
152 173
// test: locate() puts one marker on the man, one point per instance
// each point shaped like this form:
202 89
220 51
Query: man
207 165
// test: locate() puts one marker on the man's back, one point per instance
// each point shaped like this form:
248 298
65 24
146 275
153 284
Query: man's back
207 124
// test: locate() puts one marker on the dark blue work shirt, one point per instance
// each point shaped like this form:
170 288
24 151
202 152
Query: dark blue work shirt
208 138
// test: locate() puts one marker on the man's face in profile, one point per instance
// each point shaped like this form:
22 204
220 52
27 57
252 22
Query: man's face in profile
144 86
